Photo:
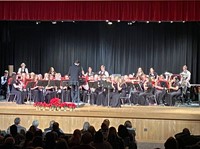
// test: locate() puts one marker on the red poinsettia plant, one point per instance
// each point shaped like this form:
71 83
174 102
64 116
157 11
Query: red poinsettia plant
55 103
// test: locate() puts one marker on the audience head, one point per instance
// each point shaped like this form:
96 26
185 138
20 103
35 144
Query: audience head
86 125
9 141
51 123
51 138
98 137
107 122
122 131
1 139
128 124
55 126
35 123
86 138
38 142
112 131
22 132
186 131
39 133
29 135
32 129
17 121
92 130
77 133
171 143
61 144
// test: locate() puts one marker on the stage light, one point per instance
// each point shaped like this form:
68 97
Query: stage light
54 22
159 21
129 23
109 23
147 22
133 21
183 21
73 21
62 21
37 22
171 21
107 20
118 20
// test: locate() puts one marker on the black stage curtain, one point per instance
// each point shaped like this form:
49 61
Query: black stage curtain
121 48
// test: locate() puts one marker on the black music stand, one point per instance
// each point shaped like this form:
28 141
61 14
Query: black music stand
54 83
43 84
92 85
64 83
107 85
29 85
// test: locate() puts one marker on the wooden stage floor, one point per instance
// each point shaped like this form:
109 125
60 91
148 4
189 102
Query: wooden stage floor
152 123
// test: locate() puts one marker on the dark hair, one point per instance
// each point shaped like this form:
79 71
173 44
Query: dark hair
122 131
98 137
171 143
61 144
86 138
77 61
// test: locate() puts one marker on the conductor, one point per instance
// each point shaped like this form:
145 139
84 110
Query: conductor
74 74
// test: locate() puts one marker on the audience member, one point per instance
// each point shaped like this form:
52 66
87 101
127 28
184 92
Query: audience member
19 127
99 142
185 139
75 139
131 131
57 129
92 130
107 122
127 139
86 140
171 143
61 144
36 124
115 141
86 125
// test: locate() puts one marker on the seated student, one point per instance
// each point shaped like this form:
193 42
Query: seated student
148 91
17 89
4 83
52 71
161 86
173 92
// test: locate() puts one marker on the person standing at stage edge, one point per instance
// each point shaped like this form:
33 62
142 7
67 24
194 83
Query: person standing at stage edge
74 74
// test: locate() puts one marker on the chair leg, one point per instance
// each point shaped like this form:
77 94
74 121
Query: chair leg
8 97
122 100
14 100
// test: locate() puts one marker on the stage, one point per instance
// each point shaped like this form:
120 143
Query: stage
152 123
